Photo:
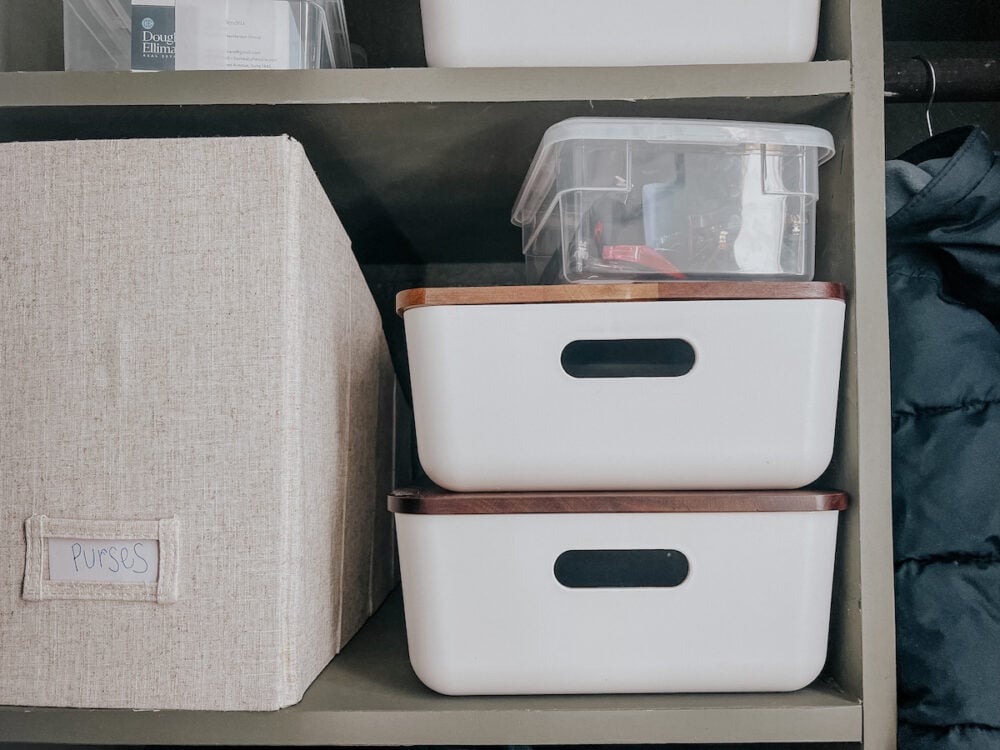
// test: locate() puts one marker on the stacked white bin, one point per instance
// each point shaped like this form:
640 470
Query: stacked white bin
621 460
616 592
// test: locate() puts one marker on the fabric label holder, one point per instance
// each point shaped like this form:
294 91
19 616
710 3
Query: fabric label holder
101 560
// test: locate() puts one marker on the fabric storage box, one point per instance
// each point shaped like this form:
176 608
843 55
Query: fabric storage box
205 34
195 426
606 593
682 385
629 199
575 33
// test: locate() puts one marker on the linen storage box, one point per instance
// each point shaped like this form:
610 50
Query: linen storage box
616 593
631 199
195 426
578 33
680 385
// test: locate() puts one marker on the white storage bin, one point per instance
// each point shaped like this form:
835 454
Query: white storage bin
685 385
605 593
195 426
502 33
205 34
622 199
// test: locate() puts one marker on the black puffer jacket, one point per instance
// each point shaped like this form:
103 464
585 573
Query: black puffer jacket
943 201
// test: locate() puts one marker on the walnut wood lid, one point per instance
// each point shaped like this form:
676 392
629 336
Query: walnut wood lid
435 501
645 292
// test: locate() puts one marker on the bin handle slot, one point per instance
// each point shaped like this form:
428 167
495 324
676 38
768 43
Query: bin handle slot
628 358
621 568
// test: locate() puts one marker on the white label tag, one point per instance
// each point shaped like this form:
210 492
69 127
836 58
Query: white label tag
104 560
235 35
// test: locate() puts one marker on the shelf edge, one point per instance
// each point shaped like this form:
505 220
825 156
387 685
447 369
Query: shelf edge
422 85
388 728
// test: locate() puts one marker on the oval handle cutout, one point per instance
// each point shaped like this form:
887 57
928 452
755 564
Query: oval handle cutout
628 358
621 568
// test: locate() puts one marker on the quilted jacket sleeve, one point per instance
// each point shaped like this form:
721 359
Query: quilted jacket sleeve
944 315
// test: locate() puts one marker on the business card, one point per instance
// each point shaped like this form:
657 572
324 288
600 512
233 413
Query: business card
153 35
215 35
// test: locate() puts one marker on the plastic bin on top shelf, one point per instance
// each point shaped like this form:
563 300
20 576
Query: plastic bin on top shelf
627 199
205 35
502 33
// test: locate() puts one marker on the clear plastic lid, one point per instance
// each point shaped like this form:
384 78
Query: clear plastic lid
674 131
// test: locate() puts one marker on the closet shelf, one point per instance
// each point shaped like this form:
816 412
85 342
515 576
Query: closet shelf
423 167
407 85
369 696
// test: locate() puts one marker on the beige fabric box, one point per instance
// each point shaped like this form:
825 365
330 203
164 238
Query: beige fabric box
195 426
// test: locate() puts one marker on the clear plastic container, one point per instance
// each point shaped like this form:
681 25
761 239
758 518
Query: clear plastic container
98 34
619 199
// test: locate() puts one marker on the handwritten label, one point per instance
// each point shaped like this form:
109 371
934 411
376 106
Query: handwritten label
104 560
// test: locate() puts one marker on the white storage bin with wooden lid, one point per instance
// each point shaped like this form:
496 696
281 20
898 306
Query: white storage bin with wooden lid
681 385
615 593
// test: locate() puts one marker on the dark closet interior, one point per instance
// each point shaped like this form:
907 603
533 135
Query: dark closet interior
963 35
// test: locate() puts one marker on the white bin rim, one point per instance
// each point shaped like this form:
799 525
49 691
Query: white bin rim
662 130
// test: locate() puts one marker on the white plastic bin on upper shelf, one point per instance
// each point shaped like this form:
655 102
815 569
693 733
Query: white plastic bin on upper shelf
616 593
630 199
682 385
574 33
205 34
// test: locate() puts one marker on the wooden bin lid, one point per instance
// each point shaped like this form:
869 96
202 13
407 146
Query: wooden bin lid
430 500
643 292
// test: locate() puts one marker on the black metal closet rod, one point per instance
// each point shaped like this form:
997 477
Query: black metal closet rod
959 79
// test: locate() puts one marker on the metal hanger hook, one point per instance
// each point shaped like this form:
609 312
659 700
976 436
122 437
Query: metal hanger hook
932 77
